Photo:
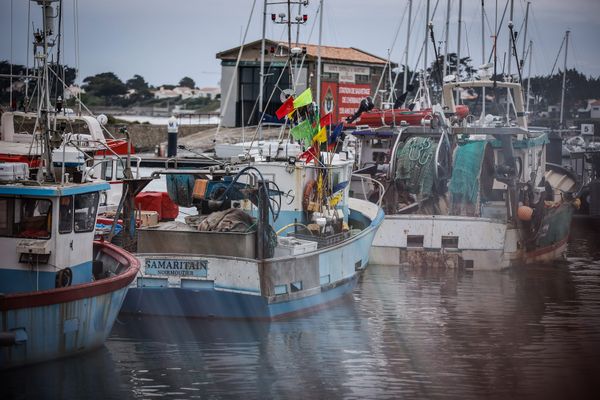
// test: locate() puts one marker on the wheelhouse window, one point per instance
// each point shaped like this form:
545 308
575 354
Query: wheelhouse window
25 217
86 205
65 212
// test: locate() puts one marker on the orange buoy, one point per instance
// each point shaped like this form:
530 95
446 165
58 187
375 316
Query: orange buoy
525 213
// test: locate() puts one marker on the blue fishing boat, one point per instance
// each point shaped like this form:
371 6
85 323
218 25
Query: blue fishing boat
272 239
60 290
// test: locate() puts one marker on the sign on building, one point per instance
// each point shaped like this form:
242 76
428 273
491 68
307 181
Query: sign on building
587 129
346 73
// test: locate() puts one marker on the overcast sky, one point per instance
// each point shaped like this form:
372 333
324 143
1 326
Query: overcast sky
166 40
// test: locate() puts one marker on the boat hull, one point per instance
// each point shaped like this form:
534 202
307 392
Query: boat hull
469 242
51 324
243 288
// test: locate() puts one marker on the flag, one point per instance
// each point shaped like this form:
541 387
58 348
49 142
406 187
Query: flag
286 108
321 137
333 137
325 120
302 131
304 99
335 199
310 154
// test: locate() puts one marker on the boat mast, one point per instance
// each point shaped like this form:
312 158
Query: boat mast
510 52
482 56
458 48
319 57
407 47
564 80
426 37
530 55
44 110
525 31
262 70
446 45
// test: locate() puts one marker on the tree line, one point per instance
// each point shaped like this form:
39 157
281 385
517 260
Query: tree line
104 89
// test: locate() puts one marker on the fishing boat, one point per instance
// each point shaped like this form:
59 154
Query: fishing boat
477 195
298 258
275 235
60 291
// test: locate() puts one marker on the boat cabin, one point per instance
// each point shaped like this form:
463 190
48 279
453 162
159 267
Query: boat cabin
47 229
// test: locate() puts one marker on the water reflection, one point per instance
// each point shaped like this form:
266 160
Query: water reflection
529 332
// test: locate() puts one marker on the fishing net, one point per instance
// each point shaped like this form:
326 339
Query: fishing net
415 166
465 183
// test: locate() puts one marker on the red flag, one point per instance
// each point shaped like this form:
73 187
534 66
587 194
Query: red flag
286 108
310 154
325 120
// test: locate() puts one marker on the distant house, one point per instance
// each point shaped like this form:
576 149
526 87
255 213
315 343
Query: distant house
73 91
595 110
179 91
209 92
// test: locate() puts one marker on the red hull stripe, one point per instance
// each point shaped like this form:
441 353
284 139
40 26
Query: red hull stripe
547 249
77 292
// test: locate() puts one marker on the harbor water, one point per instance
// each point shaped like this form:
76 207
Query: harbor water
529 332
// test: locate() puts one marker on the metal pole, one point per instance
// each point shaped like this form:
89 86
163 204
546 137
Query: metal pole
407 47
319 56
510 54
562 95
482 55
426 36
289 26
525 31
458 48
262 70
446 45
530 54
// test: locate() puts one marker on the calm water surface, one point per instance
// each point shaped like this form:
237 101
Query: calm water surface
404 333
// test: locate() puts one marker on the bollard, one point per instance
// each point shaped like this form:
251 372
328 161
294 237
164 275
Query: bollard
172 129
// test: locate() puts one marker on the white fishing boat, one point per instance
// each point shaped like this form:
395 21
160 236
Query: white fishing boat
478 195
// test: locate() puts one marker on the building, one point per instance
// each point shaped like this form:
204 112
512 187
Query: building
348 76
595 110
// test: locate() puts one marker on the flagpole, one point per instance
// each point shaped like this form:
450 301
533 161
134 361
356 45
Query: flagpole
319 57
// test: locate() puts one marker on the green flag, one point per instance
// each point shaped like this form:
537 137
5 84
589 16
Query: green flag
302 131
304 99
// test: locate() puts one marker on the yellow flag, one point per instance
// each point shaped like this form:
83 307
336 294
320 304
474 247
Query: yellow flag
336 199
321 137
304 99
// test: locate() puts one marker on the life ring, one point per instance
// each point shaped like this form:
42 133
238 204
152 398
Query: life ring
64 277
309 194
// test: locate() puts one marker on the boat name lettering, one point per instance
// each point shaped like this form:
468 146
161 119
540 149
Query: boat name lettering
163 266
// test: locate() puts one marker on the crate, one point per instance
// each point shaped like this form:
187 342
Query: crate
323 241
148 218
13 171
291 246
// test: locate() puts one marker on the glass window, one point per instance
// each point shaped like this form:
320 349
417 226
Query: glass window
26 218
120 167
33 218
5 217
86 206
65 213
108 170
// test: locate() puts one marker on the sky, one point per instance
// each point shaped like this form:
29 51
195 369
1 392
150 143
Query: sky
163 41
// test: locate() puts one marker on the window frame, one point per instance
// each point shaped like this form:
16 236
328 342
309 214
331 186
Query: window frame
94 207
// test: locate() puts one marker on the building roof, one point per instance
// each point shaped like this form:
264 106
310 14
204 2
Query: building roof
351 54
